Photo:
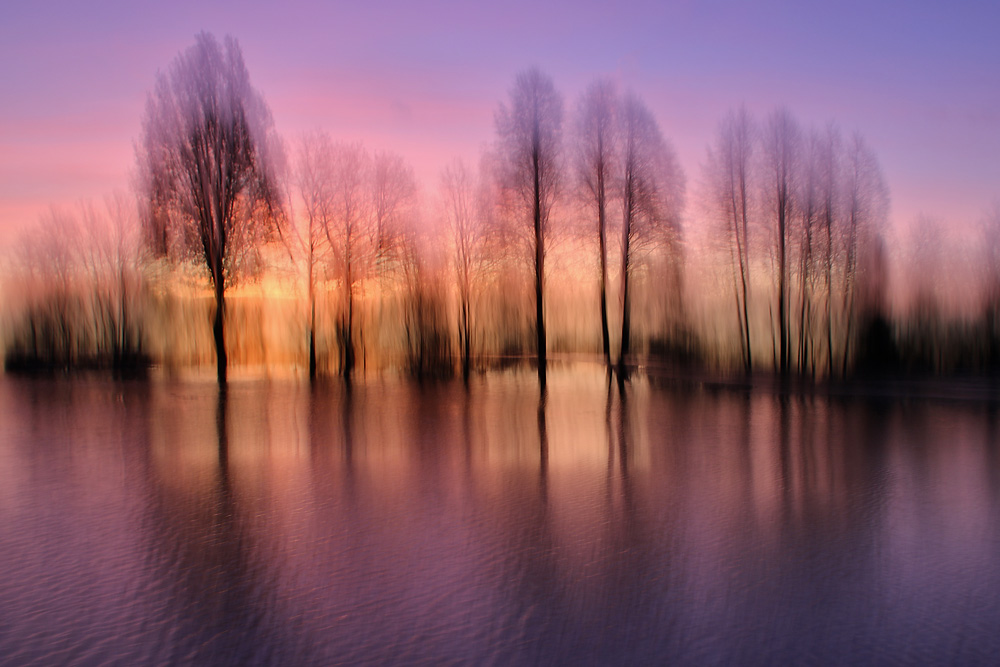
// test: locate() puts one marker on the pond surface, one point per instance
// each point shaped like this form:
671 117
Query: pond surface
157 522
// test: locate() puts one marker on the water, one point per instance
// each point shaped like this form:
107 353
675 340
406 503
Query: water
155 522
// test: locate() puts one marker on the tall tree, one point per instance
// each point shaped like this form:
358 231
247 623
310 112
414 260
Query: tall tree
349 232
596 166
315 181
207 159
828 165
652 187
867 206
530 135
392 190
782 140
989 261
811 197
729 176
468 238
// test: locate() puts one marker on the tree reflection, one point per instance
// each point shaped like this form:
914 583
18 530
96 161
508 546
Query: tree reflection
622 437
203 547
543 444
346 420
785 458
222 432
694 527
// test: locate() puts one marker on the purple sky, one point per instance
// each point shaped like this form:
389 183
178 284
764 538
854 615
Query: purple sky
920 80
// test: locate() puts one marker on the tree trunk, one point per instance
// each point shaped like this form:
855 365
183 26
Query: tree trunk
312 347
745 277
312 326
829 295
782 297
466 344
626 323
539 267
312 308
602 235
626 270
849 284
348 337
219 330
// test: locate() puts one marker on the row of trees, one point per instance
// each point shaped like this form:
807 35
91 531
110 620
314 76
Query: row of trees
210 172
77 285
626 169
806 210
357 211
798 213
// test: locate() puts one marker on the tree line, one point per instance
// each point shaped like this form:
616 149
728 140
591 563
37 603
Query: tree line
805 209
568 234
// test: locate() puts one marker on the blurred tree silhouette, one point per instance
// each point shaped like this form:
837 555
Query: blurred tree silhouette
729 173
782 153
530 144
79 283
652 193
207 161
597 160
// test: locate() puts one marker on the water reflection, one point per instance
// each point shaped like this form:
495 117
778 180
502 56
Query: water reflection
589 522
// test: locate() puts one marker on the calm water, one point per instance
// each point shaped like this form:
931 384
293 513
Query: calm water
155 522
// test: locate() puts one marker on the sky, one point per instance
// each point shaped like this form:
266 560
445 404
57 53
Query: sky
920 80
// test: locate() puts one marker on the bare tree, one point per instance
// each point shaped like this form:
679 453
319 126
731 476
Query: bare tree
79 283
358 209
110 254
96 254
458 190
596 165
989 268
315 181
393 193
427 343
530 134
730 178
782 141
126 254
207 159
808 197
652 187
867 206
392 190
826 157
349 232
53 312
